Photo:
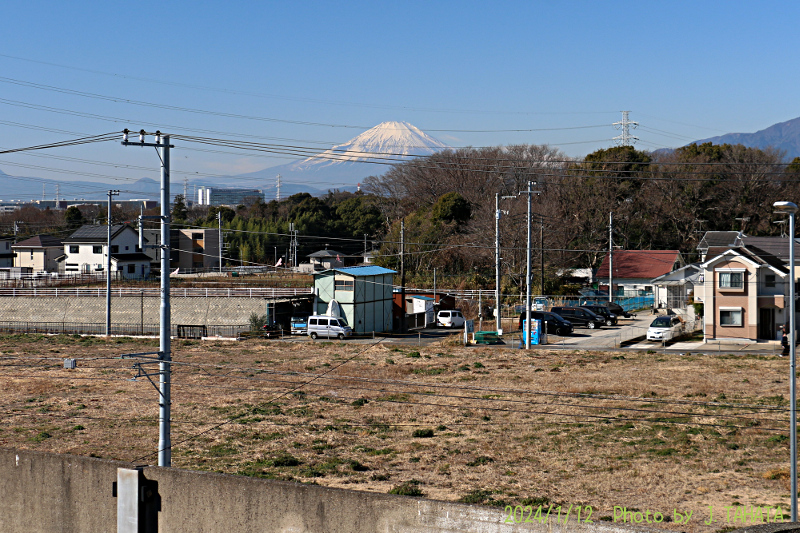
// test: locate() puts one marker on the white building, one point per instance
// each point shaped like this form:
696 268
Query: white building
38 253
85 251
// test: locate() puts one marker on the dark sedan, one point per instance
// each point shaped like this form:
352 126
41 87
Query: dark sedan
556 325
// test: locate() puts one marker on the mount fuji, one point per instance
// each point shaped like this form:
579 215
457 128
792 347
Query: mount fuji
344 165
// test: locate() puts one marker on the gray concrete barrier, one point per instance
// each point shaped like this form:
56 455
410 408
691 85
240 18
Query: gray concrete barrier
49 493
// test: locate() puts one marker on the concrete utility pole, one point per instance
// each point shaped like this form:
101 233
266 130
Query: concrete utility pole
527 330
108 265
402 276
610 255
219 221
164 351
497 216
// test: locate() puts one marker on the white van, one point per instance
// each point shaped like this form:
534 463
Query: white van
328 326
451 318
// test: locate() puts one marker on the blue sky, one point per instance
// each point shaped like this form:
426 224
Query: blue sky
685 70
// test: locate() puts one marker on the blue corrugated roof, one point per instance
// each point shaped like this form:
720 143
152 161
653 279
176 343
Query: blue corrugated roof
421 297
365 271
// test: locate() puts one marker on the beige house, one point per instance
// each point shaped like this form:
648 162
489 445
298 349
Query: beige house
745 290
38 253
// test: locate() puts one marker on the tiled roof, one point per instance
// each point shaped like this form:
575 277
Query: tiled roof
713 239
640 264
40 241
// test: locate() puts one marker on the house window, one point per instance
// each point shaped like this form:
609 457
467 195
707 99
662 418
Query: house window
31 254
730 316
73 249
131 269
114 249
731 280
97 249
769 280
343 285
197 236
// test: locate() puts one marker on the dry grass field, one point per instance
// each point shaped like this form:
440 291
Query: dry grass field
647 431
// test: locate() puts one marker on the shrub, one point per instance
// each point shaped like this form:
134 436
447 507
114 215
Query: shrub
408 488
422 433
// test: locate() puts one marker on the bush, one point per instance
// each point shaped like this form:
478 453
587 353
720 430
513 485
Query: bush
422 433
257 321
409 488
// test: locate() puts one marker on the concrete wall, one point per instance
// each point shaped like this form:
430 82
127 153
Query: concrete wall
129 309
49 493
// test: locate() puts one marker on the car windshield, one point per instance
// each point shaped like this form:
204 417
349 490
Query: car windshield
342 323
661 322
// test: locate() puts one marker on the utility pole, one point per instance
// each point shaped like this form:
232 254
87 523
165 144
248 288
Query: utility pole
108 265
278 187
164 351
219 221
541 249
402 276
497 261
625 138
610 256
527 329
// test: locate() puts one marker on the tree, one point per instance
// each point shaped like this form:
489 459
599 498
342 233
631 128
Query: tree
73 217
452 207
179 210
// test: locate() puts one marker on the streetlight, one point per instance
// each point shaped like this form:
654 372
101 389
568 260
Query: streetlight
790 209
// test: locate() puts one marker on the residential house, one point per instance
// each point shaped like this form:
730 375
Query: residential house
674 290
634 270
6 253
190 249
745 289
85 251
38 253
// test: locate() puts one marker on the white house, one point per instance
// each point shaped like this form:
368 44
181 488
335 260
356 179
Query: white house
85 251
38 253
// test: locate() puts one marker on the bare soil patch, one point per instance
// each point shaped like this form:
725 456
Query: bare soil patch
481 425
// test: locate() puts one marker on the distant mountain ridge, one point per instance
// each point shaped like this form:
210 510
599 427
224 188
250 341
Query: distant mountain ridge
367 154
783 136
341 167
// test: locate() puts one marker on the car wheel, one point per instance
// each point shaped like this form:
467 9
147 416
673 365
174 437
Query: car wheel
341 336
591 325
313 335
609 322
559 332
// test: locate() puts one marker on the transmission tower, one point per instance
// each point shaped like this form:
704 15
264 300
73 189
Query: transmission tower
625 139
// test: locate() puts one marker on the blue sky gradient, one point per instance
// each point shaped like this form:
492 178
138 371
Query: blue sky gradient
685 70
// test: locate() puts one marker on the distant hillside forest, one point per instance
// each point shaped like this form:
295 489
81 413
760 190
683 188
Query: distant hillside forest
447 203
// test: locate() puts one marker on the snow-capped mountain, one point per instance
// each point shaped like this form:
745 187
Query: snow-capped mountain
387 140
344 165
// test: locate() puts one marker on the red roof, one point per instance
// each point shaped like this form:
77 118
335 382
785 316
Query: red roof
640 264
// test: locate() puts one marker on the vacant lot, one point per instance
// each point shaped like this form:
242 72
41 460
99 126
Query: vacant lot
494 426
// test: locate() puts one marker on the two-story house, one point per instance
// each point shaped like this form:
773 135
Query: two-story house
746 291
190 249
85 251
38 253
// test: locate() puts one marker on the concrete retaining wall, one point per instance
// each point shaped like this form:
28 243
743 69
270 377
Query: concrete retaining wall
49 493
129 310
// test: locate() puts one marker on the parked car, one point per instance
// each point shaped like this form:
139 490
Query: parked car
556 325
451 318
579 316
614 307
665 328
328 326
603 311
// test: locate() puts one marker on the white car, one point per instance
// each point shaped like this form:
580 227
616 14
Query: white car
451 318
665 328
